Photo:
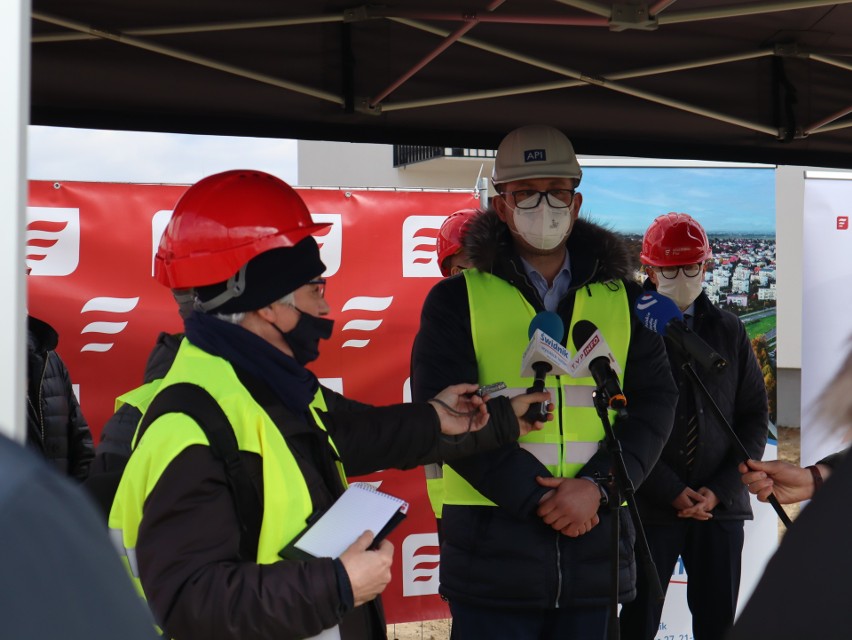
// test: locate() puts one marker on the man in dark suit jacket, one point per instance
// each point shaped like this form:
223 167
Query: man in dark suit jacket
693 504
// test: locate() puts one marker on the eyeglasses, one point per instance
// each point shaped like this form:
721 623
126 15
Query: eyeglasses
530 198
319 286
689 270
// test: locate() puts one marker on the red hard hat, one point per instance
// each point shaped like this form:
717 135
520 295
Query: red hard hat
225 220
450 235
673 239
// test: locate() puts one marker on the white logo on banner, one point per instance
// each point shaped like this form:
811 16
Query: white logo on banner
420 563
330 241
104 328
364 303
419 237
53 240
158 225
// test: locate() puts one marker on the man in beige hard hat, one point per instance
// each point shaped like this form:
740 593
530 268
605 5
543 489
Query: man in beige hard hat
526 542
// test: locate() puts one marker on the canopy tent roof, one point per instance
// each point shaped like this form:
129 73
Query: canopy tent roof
735 80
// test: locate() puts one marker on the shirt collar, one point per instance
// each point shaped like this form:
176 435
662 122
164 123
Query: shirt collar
550 296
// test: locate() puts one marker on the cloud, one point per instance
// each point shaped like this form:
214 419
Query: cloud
128 156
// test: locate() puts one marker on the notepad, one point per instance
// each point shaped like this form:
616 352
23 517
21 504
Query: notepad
361 507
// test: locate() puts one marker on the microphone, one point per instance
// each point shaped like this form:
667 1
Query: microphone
661 315
595 357
543 355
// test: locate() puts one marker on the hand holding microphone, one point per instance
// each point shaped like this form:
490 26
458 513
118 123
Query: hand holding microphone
661 315
527 402
544 355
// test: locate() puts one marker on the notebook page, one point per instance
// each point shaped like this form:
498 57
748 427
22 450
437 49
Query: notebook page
360 507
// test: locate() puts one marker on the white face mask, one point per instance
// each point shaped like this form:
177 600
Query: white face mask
682 289
543 227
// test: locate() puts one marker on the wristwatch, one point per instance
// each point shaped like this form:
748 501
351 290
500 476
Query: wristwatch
599 485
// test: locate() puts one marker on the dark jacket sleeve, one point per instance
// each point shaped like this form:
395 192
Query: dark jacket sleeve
203 590
501 429
834 460
663 484
116 437
81 450
749 421
407 435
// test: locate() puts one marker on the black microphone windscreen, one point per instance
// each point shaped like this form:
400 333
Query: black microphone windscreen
582 331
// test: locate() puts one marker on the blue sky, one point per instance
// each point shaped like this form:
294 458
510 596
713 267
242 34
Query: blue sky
723 200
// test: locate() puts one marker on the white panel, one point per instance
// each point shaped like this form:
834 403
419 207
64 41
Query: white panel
826 303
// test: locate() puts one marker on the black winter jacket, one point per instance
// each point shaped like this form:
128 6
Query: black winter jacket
506 556
55 425
740 394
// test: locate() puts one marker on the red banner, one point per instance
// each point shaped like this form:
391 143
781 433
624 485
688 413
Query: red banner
91 247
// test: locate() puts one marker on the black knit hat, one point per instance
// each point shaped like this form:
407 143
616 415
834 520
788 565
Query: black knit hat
266 278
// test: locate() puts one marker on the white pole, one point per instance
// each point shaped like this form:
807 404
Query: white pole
483 193
15 78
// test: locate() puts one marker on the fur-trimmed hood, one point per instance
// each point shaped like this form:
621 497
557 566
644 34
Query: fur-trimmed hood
597 254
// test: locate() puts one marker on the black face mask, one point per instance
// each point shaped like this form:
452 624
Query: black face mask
303 339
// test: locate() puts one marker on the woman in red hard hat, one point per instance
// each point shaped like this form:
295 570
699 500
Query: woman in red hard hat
450 248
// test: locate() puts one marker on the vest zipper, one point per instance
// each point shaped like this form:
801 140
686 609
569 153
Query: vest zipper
558 571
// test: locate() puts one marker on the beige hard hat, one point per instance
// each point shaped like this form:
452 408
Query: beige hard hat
535 151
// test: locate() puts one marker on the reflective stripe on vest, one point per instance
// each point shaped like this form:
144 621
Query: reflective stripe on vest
286 500
500 317
435 486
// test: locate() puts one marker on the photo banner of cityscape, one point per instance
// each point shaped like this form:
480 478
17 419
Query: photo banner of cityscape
736 207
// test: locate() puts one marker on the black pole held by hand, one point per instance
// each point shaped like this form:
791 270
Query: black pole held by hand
622 489
735 441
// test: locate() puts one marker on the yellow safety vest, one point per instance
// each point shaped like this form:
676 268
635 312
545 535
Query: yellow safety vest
286 499
140 397
499 318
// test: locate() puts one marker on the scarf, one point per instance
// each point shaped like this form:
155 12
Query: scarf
294 385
